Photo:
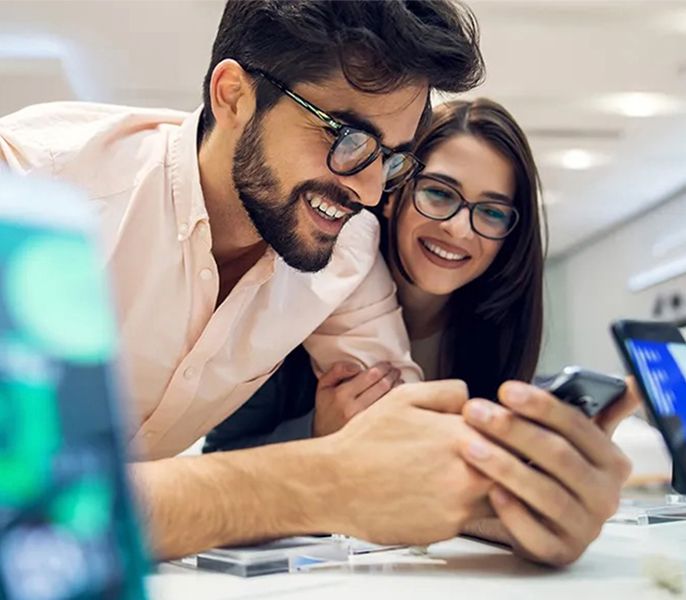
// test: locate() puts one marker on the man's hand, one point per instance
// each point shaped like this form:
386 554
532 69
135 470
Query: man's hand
558 475
347 389
399 476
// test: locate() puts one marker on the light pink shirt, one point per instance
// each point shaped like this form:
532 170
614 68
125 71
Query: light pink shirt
188 365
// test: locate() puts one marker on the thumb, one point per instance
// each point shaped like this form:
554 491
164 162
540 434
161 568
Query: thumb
338 373
446 396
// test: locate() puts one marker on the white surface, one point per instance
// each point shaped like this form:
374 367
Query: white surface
611 568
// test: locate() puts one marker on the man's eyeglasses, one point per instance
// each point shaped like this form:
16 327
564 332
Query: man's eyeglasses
354 149
437 200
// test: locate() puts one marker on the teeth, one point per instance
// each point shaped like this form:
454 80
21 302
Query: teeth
325 209
442 253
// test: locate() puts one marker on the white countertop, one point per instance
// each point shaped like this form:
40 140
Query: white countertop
611 568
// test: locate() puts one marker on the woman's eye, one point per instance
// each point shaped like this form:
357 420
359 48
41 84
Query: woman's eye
494 213
438 194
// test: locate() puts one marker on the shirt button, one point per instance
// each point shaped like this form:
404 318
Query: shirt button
189 373
183 230
206 274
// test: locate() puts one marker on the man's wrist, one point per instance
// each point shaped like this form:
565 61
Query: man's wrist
297 485
313 486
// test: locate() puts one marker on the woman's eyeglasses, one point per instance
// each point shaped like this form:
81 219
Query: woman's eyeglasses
354 149
437 200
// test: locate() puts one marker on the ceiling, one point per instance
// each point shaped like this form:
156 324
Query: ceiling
551 62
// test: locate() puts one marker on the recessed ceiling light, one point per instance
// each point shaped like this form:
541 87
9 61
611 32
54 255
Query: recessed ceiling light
577 159
640 104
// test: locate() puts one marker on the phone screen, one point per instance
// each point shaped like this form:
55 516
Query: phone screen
662 368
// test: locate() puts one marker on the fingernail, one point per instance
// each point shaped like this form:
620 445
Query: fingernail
516 393
478 450
479 411
499 496
352 368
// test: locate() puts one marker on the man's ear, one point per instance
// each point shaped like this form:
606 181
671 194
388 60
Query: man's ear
232 95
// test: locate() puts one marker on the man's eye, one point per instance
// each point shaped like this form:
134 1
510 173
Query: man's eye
330 133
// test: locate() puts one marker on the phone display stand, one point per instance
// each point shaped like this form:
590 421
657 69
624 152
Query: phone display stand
641 512
635 512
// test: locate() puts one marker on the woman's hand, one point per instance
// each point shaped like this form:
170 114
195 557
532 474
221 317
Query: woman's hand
558 474
347 389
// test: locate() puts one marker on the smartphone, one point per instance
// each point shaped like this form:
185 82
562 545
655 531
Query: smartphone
587 390
655 354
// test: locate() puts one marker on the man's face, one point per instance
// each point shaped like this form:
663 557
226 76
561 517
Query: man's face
297 205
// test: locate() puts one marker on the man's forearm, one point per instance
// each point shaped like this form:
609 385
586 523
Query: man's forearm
192 503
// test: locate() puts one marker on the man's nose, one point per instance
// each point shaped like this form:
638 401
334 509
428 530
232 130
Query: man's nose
368 184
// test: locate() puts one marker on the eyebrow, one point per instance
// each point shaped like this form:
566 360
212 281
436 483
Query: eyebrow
489 194
354 119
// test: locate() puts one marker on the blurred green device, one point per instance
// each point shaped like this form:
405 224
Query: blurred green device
67 523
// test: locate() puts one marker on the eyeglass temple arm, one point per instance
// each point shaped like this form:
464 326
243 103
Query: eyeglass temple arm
328 119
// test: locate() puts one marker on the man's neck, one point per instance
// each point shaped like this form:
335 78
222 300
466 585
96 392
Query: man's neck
236 245
423 313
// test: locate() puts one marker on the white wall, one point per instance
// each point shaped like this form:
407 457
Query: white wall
587 288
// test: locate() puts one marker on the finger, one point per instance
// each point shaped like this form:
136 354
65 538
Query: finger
338 373
366 379
531 537
613 415
379 389
547 449
541 492
446 396
544 408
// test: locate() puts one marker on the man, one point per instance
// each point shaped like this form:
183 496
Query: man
236 233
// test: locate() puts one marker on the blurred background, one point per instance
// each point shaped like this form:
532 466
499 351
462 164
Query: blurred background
599 86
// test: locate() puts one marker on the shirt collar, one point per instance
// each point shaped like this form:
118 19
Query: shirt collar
189 202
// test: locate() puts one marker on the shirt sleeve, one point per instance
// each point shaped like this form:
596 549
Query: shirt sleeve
367 328
22 151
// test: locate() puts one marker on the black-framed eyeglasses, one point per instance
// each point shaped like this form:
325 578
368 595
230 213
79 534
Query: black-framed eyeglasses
355 149
435 199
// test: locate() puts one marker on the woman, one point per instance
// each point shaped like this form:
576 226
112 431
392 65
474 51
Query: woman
463 243
465 249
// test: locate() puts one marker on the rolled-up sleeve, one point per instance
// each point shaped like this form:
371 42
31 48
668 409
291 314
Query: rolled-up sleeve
366 329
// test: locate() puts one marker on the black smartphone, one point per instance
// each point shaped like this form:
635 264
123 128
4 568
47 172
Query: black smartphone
655 354
588 390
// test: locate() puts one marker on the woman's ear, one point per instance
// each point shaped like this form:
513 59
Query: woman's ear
389 205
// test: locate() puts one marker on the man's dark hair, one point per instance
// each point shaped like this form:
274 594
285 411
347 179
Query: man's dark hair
379 45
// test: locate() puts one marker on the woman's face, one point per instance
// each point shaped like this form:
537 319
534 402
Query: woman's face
480 173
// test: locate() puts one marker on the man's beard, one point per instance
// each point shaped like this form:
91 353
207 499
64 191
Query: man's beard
277 222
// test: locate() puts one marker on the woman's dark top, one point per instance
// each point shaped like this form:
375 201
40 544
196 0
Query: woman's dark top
280 411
